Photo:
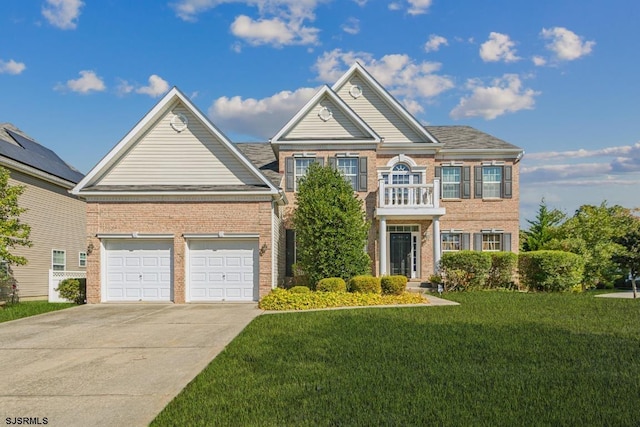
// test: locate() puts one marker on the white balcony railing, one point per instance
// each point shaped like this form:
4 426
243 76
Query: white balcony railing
409 195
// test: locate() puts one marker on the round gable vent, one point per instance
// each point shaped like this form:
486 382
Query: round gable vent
179 122
355 91
325 113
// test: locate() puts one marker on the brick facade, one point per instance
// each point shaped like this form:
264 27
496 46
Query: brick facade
177 218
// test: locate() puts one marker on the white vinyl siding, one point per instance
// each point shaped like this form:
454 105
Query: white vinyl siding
192 157
339 126
58 260
383 119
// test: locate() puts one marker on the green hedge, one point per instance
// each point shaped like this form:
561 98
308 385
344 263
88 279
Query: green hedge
550 270
393 285
465 270
300 290
281 299
365 285
503 270
332 284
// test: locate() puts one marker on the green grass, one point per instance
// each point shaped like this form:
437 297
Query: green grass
29 308
498 359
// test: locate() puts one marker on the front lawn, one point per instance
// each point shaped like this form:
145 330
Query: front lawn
29 308
497 359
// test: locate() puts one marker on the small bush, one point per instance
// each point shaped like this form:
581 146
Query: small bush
550 270
393 285
73 290
281 299
299 276
465 270
365 285
331 284
503 270
300 290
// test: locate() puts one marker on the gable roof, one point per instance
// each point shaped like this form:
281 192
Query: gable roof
369 134
357 69
20 148
91 184
261 154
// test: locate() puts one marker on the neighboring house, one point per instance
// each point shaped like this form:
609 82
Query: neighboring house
176 212
56 218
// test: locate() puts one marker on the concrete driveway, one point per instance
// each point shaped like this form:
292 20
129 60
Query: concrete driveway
109 364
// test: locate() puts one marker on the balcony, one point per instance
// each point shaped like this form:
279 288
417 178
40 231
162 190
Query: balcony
409 200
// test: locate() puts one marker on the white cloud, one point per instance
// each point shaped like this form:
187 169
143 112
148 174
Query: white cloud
124 87
361 3
352 26
88 82
398 73
11 67
499 47
156 87
505 95
624 150
279 22
259 118
414 7
565 44
539 61
434 43
62 13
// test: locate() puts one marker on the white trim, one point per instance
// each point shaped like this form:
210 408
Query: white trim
401 158
135 235
80 259
172 97
382 92
325 90
273 251
415 255
64 263
221 235
186 195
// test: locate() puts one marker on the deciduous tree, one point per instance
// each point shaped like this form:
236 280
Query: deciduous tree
13 232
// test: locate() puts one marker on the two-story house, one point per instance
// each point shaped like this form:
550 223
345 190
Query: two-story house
177 212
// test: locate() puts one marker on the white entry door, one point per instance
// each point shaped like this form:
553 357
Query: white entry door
223 270
138 270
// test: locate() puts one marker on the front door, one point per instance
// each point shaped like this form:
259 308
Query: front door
400 254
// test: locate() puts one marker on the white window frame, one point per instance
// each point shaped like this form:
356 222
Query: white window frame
64 260
82 260
296 175
491 242
443 243
457 185
491 189
350 177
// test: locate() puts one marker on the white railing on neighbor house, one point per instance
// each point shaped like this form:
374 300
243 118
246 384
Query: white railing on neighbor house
409 195
55 277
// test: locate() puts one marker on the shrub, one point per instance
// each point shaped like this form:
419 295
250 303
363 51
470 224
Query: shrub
281 299
393 285
299 277
7 283
465 270
300 290
73 290
365 285
332 284
503 269
550 270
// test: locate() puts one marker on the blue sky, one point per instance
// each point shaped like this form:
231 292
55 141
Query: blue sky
557 78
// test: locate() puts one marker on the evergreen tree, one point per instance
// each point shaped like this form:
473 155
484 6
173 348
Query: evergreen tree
542 229
331 228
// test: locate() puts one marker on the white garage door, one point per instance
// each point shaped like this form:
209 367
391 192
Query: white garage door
223 270
138 270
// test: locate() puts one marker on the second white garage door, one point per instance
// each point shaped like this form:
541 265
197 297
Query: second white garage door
223 270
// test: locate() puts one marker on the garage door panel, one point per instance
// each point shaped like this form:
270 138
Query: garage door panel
229 270
138 270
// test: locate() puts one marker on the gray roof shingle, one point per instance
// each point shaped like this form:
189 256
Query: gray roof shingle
262 156
466 137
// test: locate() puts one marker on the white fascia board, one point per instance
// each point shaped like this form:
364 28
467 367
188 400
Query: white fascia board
325 90
133 235
391 101
478 154
36 173
172 96
409 148
180 193
220 235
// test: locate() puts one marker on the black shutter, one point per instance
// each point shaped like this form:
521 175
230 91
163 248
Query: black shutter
438 175
477 181
333 164
466 182
465 244
362 174
477 241
506 242
290 251
289 177
507 186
